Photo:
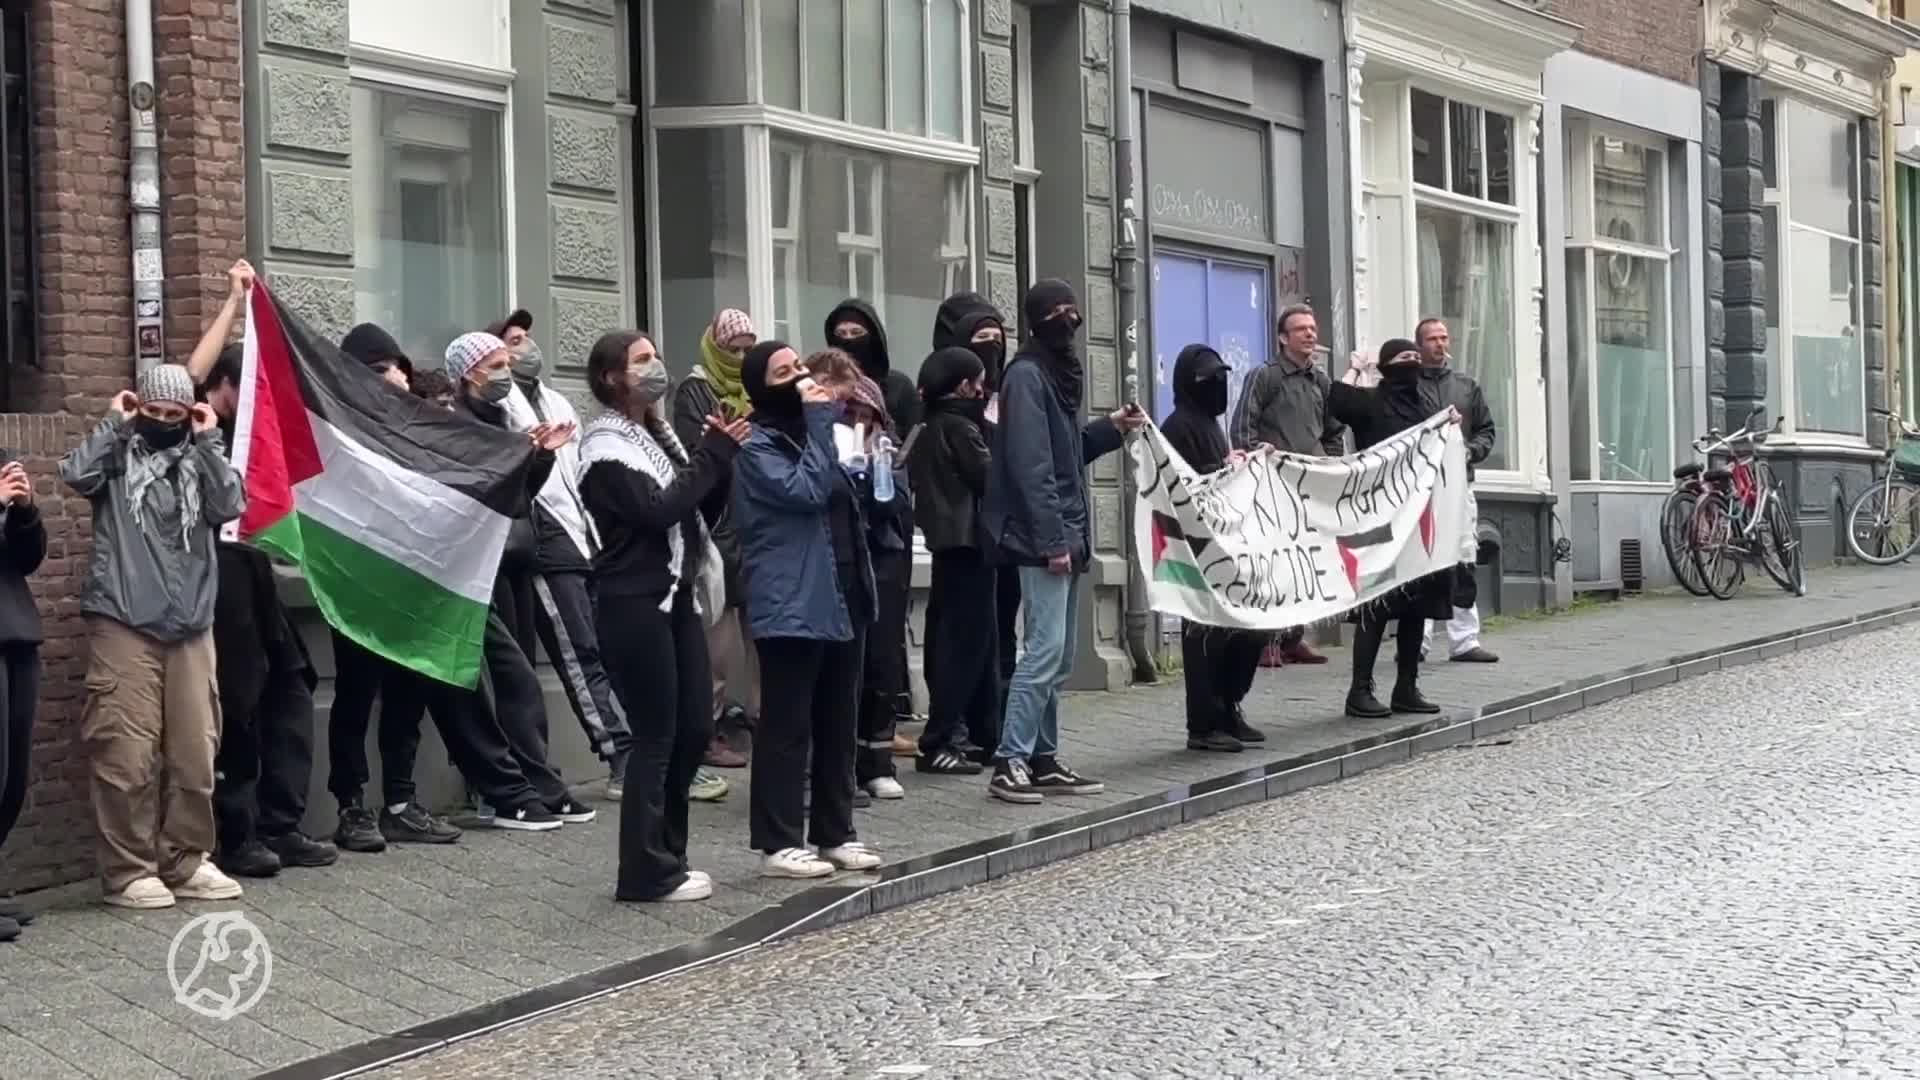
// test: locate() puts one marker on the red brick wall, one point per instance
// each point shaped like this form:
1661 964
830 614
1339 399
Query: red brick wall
79 87
1661 36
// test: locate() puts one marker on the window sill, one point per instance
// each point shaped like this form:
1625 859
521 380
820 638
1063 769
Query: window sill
1619 487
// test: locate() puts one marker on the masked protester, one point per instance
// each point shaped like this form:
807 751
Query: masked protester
713 388
854 328
23 544
1376 415
1036 514
659 582
809 599
1220 663
160 486
362 676
564 545
481 369
949 464
969 321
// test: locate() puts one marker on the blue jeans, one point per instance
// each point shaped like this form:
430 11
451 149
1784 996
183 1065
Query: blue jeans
1032 726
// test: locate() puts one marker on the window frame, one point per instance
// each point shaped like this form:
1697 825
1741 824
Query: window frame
486 91
751 16
1585 238
1779 196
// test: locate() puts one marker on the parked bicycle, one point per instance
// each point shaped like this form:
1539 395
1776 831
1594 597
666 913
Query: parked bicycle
1883 524
1676 515
1741 517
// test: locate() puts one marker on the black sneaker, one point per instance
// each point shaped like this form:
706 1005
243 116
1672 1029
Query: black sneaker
948 762
9 929
359 831
573 812
1054 778
1240 729
532 817
253 859
12 910
1013 782
298 849
1218 742
861 800
979 755
413 825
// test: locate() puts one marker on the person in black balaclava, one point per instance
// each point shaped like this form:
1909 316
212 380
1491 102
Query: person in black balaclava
1036 517
854 328
1400 402
969 321
1220 662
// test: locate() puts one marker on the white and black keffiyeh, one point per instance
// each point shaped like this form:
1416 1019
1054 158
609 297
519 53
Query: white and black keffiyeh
654 451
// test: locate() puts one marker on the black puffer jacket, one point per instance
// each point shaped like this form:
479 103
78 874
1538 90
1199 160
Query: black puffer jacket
949 459
896 388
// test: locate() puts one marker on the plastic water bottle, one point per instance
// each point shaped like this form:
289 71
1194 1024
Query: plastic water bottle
883 469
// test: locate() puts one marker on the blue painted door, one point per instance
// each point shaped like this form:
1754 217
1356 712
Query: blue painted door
1223 303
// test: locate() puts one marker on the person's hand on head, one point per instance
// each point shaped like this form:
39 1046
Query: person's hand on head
125 403
203 418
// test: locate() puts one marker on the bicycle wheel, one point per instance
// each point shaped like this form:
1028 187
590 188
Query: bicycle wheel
1883 525
1780 550
1710 540
1674 515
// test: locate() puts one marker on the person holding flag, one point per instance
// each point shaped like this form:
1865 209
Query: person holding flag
159 485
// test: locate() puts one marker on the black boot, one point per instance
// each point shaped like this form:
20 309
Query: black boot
1406 690
1361 704
1408 699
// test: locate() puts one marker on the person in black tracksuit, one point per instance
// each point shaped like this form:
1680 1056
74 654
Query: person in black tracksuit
266 683
1220 662
480 367
969 321
949 465
23 544
657 576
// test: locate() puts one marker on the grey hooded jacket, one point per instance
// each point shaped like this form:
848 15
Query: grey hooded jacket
144 578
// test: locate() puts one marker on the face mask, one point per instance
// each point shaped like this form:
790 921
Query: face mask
648 384
1400 373
159 434
781 400
1211 394
1058 331
974 409
529 362
861 349
992 354
497 387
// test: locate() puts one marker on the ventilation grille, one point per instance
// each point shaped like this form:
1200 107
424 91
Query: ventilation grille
1633 576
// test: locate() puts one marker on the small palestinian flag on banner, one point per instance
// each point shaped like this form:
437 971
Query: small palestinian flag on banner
1176 555
395 510
1352 547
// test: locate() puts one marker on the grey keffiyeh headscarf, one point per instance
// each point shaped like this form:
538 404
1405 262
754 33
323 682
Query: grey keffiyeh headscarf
174 465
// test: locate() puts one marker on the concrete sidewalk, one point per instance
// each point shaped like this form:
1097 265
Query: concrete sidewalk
389 942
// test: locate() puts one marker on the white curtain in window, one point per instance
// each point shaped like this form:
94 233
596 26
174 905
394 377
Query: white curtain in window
1466 279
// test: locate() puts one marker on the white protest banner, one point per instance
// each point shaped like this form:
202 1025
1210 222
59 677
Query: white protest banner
1284 540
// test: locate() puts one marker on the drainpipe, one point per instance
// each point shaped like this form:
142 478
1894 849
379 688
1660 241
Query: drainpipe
1126 282
144 189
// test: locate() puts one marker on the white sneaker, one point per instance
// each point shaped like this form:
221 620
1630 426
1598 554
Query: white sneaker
694 888
795 862
143 894
208 883
852 856
701 874
886 787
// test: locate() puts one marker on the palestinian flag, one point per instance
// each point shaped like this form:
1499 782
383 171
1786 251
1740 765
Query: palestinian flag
1175 554
1352 545
395 510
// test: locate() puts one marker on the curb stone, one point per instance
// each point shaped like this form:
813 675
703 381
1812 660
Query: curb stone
899 884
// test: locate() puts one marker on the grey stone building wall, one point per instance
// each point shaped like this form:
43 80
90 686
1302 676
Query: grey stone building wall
1741 383
299 106
997 238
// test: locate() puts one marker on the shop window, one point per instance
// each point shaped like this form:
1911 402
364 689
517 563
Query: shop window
1465 266
882 228
429 202
1619 289
898 65
1816 364
702 242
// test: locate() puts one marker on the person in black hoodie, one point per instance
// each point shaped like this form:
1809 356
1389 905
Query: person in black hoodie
854 328
949 463
658 578
1404 399
23 544
969 321
1038 517
482 371
1220 662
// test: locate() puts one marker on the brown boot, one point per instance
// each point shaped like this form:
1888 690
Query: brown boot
1298 652
722 756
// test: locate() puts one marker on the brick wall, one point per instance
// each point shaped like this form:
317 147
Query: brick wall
1661 36
79 86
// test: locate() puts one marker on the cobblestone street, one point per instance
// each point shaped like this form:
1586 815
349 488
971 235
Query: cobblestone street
1714 879
381 944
